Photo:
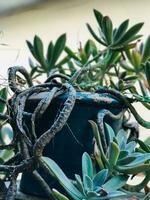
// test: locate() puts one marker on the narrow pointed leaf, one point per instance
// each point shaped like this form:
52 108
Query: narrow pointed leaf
58 49
113 153
147 72
3 95
50 52
88 184
58 195
140 160
99 17
63 180
130 33
95 36
107 28
100 178
121 30
87 166
146 50
38 48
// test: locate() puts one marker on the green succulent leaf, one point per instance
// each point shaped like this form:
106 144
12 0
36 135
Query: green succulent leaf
133 170
139 160
58 48
38 49
115 183
146 50
88 184
130 34
90 48
31 48
58 195
109 132
63 180
147 72
50 52
87 166
99 17
126 160
130 146
6 134
122 139
121 30
95 36
79 183
143 145
100 178
71 53
3 95
113 154
107 28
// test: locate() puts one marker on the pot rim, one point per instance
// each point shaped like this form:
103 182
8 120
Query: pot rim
84 97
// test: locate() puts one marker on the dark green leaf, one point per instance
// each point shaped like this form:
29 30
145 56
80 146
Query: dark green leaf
90 48
147 72
31 48
38 48
130 34
99 17
58 49
95 36
107 28
3 95
146 50
120 31
50 52
71 53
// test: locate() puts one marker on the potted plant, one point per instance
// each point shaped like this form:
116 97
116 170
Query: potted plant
81 107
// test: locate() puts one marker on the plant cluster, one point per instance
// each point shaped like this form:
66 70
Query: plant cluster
113 66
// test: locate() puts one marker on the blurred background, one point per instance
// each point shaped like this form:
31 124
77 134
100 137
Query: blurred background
20 20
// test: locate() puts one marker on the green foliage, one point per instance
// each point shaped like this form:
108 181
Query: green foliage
50 61
91 186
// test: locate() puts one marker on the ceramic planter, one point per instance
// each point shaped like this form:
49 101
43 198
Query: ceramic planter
74 139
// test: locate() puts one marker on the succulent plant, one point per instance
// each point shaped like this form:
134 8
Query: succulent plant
92 186
123 156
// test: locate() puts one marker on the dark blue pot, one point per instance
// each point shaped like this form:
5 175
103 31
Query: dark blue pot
74 139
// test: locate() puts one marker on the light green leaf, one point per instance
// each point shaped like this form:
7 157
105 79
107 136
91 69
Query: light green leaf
100 178
88 184
115 183
113 154
59 195
141 159
87 166
63 180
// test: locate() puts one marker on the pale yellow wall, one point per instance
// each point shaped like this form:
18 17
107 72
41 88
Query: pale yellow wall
58 16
